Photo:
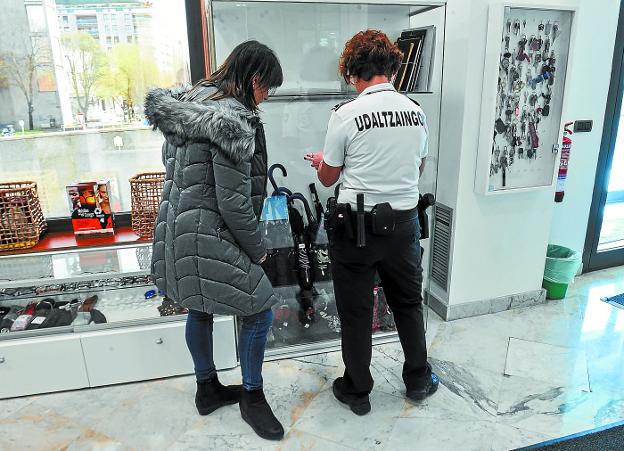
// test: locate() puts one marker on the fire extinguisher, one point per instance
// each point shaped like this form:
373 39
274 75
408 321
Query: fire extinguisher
563 163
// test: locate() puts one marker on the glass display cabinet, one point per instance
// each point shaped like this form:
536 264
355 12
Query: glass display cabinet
308 38
90 318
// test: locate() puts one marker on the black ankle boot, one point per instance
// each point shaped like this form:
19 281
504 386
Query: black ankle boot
211 395
258 414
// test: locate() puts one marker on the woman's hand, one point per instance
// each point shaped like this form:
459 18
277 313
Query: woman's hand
315 159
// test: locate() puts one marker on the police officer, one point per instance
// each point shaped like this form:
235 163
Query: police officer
377 142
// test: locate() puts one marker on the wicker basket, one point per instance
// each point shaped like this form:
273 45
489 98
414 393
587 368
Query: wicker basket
21 219
145 191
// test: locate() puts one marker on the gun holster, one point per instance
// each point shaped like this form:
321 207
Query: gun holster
338 218
424 202
382 219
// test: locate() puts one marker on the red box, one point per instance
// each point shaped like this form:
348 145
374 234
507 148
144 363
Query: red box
90 207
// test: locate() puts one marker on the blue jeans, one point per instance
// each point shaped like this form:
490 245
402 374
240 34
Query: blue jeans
251 344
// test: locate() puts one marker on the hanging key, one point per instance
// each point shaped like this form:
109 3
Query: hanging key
546 46
520 55
548 94
533 99
533 135
555 31
505 64
546 110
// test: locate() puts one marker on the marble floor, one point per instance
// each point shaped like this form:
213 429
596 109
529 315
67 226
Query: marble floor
509 379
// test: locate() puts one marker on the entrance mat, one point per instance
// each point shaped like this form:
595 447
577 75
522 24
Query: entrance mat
606 438
615 301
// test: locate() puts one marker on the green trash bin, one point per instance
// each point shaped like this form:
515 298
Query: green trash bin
562 265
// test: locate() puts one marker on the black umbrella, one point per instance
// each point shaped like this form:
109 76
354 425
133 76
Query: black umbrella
319 244
301 238
277 234
318 207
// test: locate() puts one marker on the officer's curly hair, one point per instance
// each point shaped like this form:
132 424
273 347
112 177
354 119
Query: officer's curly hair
370 53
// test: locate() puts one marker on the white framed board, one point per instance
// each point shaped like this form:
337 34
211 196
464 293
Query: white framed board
527 57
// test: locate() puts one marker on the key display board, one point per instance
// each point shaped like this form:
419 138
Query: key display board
523 95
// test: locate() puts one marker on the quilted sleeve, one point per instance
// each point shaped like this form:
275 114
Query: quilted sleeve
233 189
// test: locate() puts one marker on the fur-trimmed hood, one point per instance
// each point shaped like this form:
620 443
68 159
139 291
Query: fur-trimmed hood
181 118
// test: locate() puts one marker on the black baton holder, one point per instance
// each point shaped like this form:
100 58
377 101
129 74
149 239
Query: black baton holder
361 227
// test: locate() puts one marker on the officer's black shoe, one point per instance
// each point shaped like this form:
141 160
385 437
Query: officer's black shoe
256 411
360 405
418 394
211 395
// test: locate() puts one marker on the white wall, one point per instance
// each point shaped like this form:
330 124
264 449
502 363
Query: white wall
499 243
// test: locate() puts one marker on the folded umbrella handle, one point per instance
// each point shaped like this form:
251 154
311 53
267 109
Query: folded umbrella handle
270 174
306 205
281 190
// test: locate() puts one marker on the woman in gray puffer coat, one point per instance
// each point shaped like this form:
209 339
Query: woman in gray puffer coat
207 243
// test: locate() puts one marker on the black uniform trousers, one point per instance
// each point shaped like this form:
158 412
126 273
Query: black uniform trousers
397 260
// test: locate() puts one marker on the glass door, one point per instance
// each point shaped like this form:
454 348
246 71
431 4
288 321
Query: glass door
605 236
612 230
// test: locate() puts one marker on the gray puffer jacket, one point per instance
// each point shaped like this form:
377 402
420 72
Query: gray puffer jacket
207 241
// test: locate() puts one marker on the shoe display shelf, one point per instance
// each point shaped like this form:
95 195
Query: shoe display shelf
92 317
295 334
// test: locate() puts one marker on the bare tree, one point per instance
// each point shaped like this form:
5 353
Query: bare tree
87 62
21 70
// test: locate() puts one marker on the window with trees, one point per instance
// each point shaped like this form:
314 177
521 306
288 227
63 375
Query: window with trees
71 93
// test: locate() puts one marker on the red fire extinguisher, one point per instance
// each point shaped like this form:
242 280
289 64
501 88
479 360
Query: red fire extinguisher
563 163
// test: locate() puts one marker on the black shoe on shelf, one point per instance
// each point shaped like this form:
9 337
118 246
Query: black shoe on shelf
360 405
256 411
430 387
212 394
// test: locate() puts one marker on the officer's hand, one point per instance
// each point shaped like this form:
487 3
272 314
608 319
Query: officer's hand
314 158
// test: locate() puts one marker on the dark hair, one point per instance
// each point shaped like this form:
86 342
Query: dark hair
370 53
234 78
